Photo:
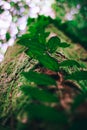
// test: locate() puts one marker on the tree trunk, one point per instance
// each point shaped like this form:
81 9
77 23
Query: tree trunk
14 63
11 79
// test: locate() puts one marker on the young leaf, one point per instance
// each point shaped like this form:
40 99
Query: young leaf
69 63
24 40
38 78
79 75
37 26
34 46
39 94
46 60
64 45
8 36
53 44
42 112
34 53
31 43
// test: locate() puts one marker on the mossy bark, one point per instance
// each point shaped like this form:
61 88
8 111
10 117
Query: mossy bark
16 61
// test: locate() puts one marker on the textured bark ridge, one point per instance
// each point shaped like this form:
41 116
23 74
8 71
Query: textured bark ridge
14 63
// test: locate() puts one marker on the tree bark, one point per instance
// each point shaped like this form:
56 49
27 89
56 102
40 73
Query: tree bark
11 79
14 63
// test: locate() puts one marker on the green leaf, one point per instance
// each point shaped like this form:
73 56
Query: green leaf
38 26
24 39
38 78
42 112
34 53
69 63
46 60
34 46
64 45
32 43
78 75
53 44
8 36
39 94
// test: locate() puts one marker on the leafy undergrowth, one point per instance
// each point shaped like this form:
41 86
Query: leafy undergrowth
57 93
